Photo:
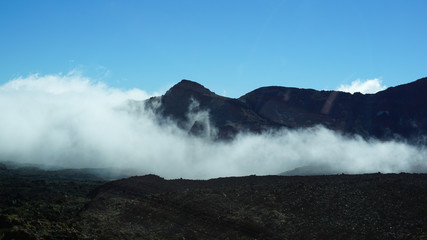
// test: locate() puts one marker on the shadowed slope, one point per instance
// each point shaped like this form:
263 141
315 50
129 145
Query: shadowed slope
397 112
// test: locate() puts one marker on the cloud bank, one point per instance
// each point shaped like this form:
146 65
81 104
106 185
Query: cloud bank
368 86
70 121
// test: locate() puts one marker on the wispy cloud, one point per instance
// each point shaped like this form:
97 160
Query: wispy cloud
367 86
71 121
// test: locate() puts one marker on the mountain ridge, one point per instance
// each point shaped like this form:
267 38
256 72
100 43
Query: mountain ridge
396 112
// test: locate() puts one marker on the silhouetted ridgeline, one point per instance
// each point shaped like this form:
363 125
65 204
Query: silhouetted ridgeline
397 112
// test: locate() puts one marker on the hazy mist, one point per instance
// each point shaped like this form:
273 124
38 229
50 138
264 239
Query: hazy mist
69 120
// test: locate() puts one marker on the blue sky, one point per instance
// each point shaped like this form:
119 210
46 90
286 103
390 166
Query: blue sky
231 47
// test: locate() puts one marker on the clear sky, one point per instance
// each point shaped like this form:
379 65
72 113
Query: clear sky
231 47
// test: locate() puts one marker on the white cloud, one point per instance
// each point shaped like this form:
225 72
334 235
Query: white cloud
71 121
368 86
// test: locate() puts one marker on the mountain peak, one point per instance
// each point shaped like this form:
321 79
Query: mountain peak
187 85
396 111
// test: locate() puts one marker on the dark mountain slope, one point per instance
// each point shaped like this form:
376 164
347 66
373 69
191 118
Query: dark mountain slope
397 112
292 106
185 102
348 113
402 110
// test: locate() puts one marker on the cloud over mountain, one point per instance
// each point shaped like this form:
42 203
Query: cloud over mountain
368 86
70 121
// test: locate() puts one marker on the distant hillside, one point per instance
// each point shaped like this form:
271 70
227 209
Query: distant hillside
397 112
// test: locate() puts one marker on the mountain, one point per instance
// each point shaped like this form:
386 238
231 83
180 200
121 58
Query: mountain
397 112
197 109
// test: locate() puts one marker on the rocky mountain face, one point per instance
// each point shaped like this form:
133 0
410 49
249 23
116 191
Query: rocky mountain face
397 112
197 109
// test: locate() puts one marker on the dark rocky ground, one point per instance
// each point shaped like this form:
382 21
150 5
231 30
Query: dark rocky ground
47 205
37 204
